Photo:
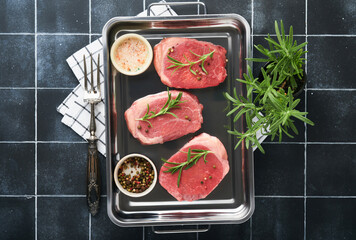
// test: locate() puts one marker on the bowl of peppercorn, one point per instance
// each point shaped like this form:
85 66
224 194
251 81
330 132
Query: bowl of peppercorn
135 175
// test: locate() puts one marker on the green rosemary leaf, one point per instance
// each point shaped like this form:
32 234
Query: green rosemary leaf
169 104
177 64
193 157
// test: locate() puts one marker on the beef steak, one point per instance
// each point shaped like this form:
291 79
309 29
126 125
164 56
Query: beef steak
164 127
181 49
201 179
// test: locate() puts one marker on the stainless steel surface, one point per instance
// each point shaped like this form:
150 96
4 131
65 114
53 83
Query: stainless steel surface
175 4
233 200
92 96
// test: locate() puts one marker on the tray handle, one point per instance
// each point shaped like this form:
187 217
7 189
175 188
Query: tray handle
188 230
175 4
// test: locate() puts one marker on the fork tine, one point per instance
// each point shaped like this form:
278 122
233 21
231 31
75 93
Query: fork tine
91 73
98 74
85 74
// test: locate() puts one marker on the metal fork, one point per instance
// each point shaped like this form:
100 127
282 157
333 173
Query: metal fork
92 96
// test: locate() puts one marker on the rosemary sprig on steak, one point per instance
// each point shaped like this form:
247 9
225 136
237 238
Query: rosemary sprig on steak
177 64
193 155
170 104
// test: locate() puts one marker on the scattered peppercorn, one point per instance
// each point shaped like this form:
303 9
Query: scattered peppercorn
146 130
214 166
139 127
198 78
202 182
210 177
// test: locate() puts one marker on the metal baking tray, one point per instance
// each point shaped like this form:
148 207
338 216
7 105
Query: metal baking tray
233 199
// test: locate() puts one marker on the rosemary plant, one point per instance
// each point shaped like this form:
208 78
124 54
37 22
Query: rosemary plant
284 56
273 108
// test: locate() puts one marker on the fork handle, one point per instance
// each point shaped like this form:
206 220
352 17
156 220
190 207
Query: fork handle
93 177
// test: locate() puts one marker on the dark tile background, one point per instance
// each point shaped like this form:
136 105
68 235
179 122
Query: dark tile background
305 187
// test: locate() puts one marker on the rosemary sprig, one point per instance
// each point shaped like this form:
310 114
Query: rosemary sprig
193 155
170 104
177 64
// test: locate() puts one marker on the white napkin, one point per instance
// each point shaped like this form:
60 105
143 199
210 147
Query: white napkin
76 112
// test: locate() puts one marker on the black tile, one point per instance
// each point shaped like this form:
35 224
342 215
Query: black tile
333 113
278 218
280 171
52 52
267 11
17 64
180 10
61 168
331 170
68 162
17 218
17 169
330 64
103 10
332 17
62 16
151 235
331 219
227 232
50 127
62 218
240 7
17 16
18 115
103 228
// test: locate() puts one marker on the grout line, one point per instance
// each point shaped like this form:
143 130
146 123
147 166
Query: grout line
103 196
46 142
311 143
84 142
36 126
99 34
38 88
89 227
331 89
277 196
331 35
49 34
252 50
307 197
89 40
71 88
305 126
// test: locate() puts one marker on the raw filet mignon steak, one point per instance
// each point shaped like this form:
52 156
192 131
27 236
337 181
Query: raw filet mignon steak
202 178
187 117
184 50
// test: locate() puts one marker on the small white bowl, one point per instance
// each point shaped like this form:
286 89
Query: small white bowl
132 194
119 41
